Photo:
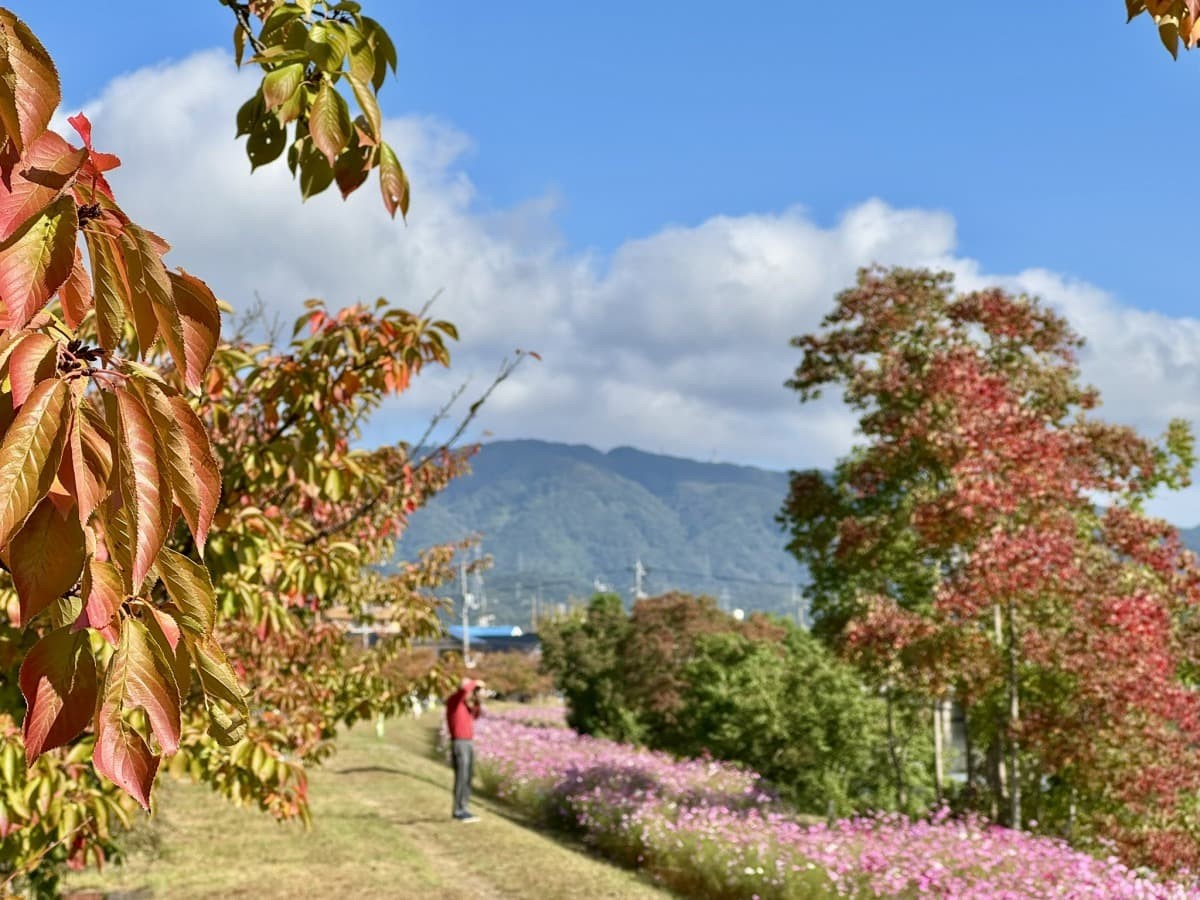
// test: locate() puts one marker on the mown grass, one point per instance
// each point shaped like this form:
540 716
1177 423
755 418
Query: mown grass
381 829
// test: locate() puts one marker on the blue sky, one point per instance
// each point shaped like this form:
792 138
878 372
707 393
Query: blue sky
1045 128
657 196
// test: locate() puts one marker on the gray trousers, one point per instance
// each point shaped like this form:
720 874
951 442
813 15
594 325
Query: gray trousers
462 756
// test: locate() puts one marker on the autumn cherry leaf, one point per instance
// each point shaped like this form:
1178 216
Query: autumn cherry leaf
58 679
45 558
30 454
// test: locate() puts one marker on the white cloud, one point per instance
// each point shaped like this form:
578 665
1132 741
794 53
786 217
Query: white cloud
678 342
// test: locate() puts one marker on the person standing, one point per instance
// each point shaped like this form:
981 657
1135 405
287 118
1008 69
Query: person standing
463 707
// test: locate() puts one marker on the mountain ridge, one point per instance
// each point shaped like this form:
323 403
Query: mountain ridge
569 517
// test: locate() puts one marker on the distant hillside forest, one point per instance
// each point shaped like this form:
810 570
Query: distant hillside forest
563 521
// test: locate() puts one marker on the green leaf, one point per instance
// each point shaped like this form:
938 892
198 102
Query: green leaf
30 454
141 677
316 174
1168 33
266 141
393 183
384 49
362 57
369 104
239 44
327 46
190 588
280 84
220 685
58 680
249 113
329 122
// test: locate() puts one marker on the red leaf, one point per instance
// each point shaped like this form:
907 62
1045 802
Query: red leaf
83 127
103 593
58 679
86 464
121 756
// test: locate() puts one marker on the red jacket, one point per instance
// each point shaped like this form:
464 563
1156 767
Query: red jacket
461 715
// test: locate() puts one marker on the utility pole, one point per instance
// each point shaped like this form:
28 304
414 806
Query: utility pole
796 605
467 604
479 580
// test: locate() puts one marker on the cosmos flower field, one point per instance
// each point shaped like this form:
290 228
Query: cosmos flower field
709 829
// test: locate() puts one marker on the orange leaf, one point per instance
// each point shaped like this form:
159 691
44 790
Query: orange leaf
204 468
58 679
143 479
185 477
201 324
43 172
45 558
111 286
35 261
30 454
86 464
33 359
76 293
140 676
35 88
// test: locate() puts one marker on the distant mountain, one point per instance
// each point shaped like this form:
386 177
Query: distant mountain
1191 538
559 519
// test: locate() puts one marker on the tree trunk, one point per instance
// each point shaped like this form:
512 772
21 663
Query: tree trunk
1014 717
969 752
937 749
893 752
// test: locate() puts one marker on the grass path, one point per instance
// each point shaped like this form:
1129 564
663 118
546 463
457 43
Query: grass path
381 829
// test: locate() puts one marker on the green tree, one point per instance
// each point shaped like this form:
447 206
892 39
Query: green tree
585 653
800 717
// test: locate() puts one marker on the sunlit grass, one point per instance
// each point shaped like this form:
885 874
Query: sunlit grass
382 828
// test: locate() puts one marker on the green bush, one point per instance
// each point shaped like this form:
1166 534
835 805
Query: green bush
680 675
